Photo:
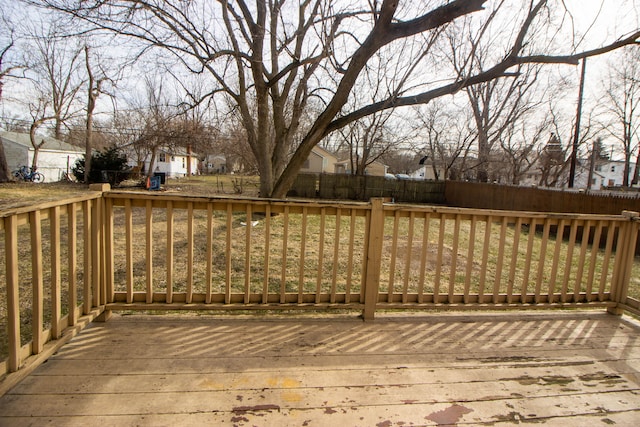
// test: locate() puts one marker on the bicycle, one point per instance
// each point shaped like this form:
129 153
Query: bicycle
28 174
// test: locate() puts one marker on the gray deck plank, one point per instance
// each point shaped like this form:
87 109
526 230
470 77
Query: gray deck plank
568 368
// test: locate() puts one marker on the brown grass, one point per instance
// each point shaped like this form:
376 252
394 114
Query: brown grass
25 194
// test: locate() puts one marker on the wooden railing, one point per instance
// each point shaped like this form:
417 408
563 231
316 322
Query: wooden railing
141 251
50 278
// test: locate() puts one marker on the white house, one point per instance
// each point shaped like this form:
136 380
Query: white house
55 158
426 171
171 162
610 173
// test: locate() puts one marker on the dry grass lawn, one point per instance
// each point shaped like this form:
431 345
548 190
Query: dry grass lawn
14 195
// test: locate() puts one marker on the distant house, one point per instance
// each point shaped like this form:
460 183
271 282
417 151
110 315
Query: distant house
373 169
171 162
319 161
609 173
429 171
215 164
55 157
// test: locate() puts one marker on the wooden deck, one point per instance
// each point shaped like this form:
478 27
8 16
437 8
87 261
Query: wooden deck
499 369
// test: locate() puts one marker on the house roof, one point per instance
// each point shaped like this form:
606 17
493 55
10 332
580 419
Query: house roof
177 151
50 143
323 153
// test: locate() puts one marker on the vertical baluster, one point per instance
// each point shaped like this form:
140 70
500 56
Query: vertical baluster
394 253
556 258
363 276
303 249
247 254
595 248
96 251
128 221
408 256
149 250
514 259
267 254
352 231
227 285
470 258
108 247
285 242
583 253
436 279
454 258
423 257
37 314
527 263
13 286
320 255
611 229
190 244
569 261
209 273
56 306
499 262
86 274
485 258
336 257
541 260
72 242
169 290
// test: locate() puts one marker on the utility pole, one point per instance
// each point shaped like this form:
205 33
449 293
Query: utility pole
576 134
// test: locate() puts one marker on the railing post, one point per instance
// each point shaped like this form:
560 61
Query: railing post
626 251
98 250
13 286
374 258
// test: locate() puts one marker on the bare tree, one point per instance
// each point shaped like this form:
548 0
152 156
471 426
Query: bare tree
6 71
270 57
520 147
56 75
95 87
53 64
623 105
448 139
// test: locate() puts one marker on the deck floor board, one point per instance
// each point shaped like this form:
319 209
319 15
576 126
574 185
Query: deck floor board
569 368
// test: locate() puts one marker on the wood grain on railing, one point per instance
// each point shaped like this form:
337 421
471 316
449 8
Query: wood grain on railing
40 254
167 252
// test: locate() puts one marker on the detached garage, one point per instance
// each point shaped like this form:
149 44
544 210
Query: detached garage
55 158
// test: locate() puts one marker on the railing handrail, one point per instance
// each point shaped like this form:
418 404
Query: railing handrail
43 206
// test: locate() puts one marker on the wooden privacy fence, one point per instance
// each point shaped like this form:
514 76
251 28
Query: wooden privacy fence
366 187
140 251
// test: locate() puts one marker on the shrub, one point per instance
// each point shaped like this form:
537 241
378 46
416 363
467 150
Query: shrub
109 166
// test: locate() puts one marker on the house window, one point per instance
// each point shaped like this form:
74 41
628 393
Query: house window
173 158
613 168
306 164
184 163
162 157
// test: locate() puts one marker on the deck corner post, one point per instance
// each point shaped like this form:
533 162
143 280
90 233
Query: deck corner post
100 187
629 237
104 316
374 258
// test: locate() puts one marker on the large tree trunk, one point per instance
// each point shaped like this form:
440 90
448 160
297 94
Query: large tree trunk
4 168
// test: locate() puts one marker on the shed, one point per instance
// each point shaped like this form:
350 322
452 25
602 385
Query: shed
55 158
